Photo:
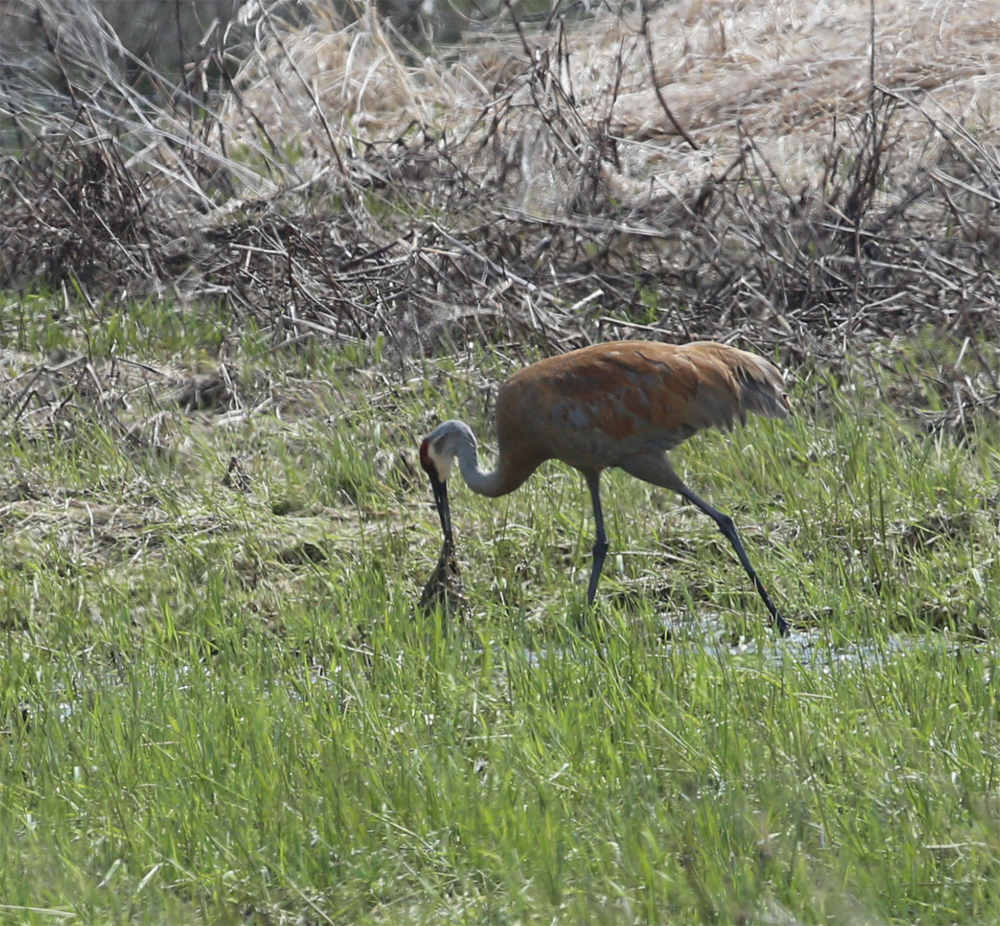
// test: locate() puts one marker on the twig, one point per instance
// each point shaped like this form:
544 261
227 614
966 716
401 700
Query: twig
656 85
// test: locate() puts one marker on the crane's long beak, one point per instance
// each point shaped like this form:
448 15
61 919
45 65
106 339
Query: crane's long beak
444 512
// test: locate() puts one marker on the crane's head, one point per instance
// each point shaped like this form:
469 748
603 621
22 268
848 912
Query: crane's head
437 454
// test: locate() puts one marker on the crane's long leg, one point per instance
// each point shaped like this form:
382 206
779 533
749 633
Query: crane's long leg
600 551
656 469
728 529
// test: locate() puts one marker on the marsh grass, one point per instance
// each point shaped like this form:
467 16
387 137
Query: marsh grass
218 704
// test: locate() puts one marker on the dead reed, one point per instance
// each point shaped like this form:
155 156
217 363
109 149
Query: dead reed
538 188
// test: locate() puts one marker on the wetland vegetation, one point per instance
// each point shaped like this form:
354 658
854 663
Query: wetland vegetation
224 331
221 705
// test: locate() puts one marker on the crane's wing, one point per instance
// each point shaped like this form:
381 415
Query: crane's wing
595 406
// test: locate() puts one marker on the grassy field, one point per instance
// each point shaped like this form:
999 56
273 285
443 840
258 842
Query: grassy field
218 704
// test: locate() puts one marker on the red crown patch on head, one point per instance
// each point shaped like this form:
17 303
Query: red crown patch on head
425 458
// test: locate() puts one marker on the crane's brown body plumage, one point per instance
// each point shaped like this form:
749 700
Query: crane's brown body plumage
595 407
624 404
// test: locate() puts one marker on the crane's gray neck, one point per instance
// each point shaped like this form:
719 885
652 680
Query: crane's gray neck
455 439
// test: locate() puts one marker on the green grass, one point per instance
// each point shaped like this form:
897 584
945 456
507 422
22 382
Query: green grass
218 706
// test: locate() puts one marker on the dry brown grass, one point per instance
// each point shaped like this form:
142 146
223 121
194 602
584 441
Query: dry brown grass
782 73
539 187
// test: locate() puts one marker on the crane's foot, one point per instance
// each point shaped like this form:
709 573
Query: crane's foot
783 627
444 588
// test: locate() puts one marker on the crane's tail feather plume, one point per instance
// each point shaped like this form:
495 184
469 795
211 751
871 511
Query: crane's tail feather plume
762 388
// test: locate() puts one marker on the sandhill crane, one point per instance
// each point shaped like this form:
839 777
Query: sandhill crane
624 404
